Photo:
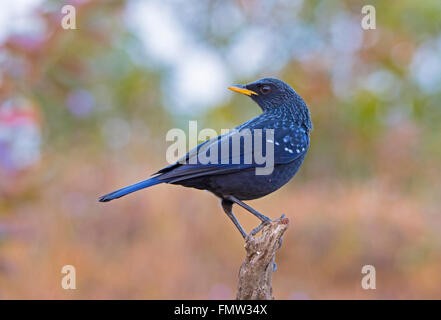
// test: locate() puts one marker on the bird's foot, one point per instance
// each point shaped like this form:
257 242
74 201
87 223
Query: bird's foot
280 244
280 240
259 227
265 222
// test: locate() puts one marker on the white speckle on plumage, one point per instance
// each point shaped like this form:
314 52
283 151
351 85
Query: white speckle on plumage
297 150
277 143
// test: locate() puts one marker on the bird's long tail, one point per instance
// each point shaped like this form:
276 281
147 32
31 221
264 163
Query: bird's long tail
129 189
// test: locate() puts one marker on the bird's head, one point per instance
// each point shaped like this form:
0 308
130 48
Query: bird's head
270 94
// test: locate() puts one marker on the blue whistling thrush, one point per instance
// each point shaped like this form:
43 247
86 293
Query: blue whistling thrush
233 179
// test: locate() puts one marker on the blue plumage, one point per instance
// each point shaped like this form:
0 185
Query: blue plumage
129 189
233 178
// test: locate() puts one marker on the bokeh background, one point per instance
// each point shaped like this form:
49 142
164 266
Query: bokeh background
85 111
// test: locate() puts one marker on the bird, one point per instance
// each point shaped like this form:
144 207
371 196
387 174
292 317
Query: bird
233 179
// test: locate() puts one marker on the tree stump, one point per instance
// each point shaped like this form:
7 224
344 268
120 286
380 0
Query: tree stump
255 274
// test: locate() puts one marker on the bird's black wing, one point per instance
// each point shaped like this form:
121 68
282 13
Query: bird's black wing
289 141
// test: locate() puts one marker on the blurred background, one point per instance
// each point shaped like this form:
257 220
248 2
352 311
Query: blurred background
85 111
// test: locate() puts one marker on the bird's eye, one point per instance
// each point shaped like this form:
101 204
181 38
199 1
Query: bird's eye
265 89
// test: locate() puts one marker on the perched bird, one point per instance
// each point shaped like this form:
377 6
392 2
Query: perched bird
232 178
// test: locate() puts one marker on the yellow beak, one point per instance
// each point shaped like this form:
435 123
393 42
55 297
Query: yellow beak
240 89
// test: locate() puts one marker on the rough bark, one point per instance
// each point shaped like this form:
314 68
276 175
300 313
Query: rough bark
255 274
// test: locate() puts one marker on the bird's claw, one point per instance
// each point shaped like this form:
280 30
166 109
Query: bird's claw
280 243
258 228
261 225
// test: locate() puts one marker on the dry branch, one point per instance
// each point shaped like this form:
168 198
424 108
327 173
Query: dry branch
255 274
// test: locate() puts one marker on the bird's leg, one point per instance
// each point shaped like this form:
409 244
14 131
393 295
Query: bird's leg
228 206
247 207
